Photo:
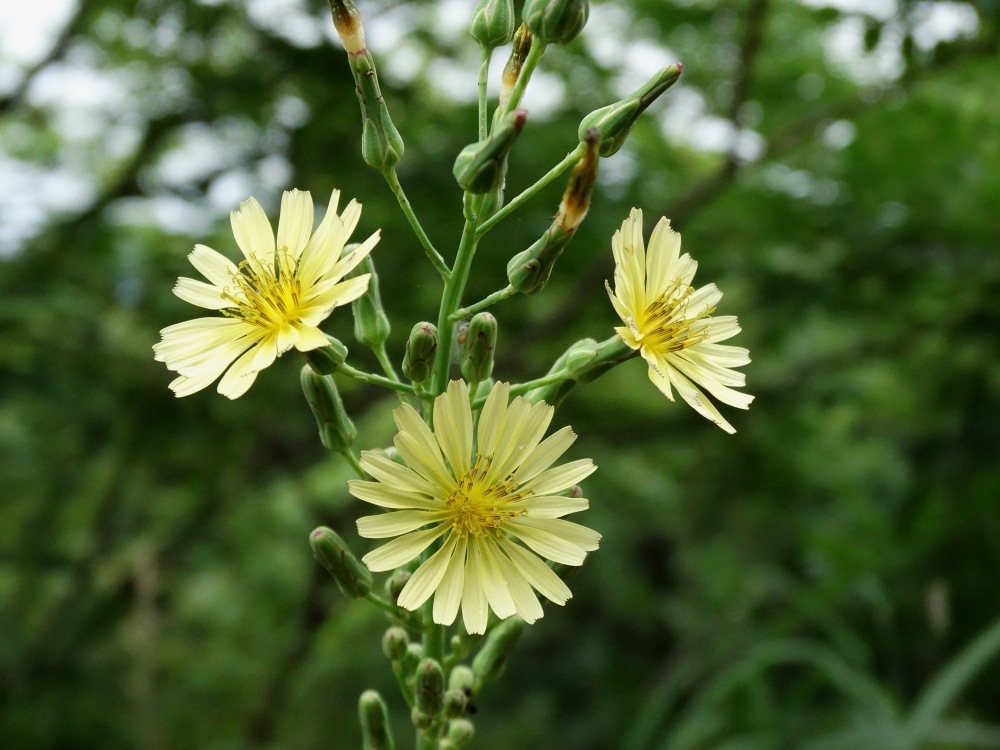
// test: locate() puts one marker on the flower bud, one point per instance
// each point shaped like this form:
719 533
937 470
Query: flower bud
477 361
529 271
395 642
460 732
430 687
492 657
420 350
381 145
574 491
556 21
511 71
353 579
375 729
583 362
420 719
493 23
394 584
615 121
327 359
336 430
371 325
479 167
461 678
455 702
414 653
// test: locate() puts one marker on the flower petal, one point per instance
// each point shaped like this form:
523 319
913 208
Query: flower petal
493 581
561 477
475 608
419 448
448 597
525 602
552 506
661 260
396 523
201 294
295 222
547 453
310 338
491 418
253 233
397 476
214 266
386 496
545 543
239 377
402 549
539 575
453 426
425 581
586 539
316 310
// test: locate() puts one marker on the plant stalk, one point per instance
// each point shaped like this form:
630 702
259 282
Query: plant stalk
435 257
450 300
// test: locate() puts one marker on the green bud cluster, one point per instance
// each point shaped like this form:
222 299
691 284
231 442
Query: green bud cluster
371 324
381 144
480 341
353 579
493 23
614 122
375 729
327 359
529 271
480 167
336 429
421 347
556 21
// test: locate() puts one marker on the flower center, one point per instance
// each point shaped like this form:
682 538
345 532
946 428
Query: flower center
666 324
270 294
477 507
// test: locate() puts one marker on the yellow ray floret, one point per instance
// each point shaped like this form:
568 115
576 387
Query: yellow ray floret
670 322
273 300
481 493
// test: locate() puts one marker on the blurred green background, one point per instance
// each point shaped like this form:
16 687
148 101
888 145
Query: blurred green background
816 580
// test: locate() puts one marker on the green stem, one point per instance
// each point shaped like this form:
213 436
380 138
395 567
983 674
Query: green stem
349 457
530 63
483 304
404 203
425 743
517 390
571 158
484 72
367 377
453 288
383 359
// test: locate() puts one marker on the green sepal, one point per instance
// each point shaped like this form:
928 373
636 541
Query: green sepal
371 324
481 340
493 23
430 687
336 430
480 167
421 347
556 21
492 657
353 579
327 359
381 144
375 731
615 122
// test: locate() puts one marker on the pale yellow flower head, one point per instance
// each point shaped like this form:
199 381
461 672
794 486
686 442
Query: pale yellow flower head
670 322
482 491
272 301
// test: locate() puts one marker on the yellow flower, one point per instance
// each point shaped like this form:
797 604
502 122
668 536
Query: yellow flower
670 322
480 499
273 300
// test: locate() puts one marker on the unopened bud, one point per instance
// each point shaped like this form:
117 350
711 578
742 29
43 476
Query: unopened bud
420 350
414 653
615 121
477 362
556 21
394 584
371 325
430 687
420 719
574 491
375 729
583 362
511 71
336 429
460 732
327 359
381 145
529 271
493 23
353 578
461 678
454 703
492 658
479 167
395 642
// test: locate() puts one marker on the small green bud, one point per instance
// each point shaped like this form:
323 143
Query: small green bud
615 121
479 167
493 23
414 653
574 491
375 728
353 579
381 145
420 719
336 429
371 325
580 354
394 585
455 702
420 350
460 732
585 361
529 271
477 361
556 21
395 642
461 678
430 687
327 359
492 657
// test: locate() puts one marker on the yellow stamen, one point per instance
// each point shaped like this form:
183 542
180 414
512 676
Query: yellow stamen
268 296
478 508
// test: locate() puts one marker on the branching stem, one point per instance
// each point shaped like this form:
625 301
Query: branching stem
530 63
367 377
404 203
450 301
465 312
